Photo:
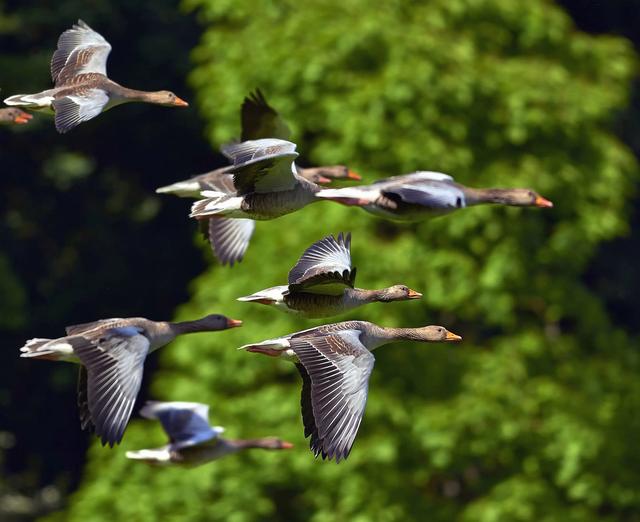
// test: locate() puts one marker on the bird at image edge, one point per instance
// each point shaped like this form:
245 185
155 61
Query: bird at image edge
82 89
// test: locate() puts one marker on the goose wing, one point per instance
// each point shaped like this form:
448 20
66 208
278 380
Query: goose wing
83 105
77 329
335 371
416 177
263 166
114 360
324 267
80 50
186 423
229 238
260 120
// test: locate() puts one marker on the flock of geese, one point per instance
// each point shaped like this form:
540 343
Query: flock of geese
261 182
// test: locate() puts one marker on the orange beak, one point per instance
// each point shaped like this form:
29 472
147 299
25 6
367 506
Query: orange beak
543 203
286 445
451 337
179 102
22 118
354 176
233 323
413 294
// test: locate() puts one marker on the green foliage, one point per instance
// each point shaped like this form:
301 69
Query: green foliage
535 416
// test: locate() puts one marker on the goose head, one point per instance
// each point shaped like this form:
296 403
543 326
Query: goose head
434 333
219 322
526 198
18 116
166 98
398 293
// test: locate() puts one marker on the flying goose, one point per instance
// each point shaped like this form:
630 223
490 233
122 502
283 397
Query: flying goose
415 196
265 185
192 441
111 353
335 362
82 89
321 283
12 115
230 239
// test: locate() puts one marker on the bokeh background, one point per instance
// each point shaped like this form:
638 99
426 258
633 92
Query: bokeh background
535 417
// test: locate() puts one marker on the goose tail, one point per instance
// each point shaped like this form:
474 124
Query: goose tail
182 189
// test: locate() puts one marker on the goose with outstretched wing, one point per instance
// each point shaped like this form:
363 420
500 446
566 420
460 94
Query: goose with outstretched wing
82 89
321 284
335 363
112 353
192 440
412 197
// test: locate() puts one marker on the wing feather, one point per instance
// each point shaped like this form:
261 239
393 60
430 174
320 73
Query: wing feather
326 262
114 365
80 50
335 371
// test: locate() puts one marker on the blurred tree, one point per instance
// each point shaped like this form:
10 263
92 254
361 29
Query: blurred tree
535 417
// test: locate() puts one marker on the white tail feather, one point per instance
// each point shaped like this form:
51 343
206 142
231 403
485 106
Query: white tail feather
182 189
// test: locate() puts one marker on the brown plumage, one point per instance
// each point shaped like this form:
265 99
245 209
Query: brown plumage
82 89
335 362
112 354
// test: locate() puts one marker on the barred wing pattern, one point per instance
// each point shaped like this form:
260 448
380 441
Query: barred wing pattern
263 166
80 50
114 364
335 370
325 265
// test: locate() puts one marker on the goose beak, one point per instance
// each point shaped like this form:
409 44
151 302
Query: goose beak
179 102
354 176
451 337
22 118
323 181
233 323
543 203
413 294
285 445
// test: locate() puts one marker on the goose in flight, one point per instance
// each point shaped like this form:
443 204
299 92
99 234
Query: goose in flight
412 197
13 115
192 440
111 353
264 185
230 239
82 89
335 362
321 284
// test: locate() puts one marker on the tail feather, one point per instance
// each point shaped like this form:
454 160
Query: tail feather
182 189
29 101
53 349
157 456
215 203
268 296
33 346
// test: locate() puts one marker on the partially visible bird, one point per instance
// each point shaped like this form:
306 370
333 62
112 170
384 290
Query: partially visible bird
229 240
12 115
321 284
265 185
111 353
335 362
192 441
82 89
412 197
